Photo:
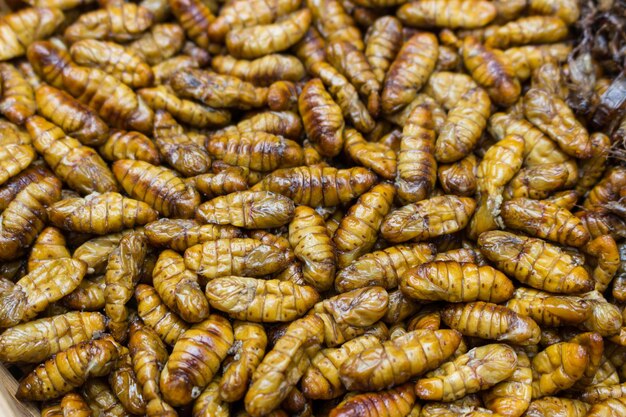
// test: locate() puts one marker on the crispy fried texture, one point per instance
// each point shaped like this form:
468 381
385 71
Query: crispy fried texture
281 123
129 145
549 310
77 165
382 42
88 296
20 29
100 213
221 184
185 375
74 118
117 22
463 127
250 343
157 186
395 402
261 71
17 99
101 399
179 288
409 71
358 308
318 186
491 321
511 397
334 23
25 216
526 30
447 88
155 314
179 234
607 261
358 230
376 156
14 159
124 384
194 17
459 178
428 218
69 369
284 365
417 168
536 182
492 70
50 245
236 256
158 45
545 220
526 59
396 361
259 300
313 246
535 262
15 184
478 369
558 367
456 282
453 14
122 275
557 407
322 118
210 403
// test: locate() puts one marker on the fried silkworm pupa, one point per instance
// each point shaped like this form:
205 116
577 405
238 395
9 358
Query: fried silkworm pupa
194 17
15 184
119 23
252 42
220 184
122 274
50 245
101 398
605 317
261 71
383 268
322 118
236 256
558 367
606 262
95 252
124 384
157 186
313 246
526 30
334 23
178 149
535 262
318 186
77 165
557 407
25 216
456 282
100 213
596 394
396 361
548 309
248 209
161 43
180 234
491 321
554 117
459 178
322 380
591 169
22 28
398 401
358 230
512 396
88 296
409 71
259 300
382 43
158 316
17 100
179 288
478 369
544 220
194 114
113 59
184 377
463 127
353 64
417 168
14 159
567 10
358 308
129 145
217 90
69 369
284 365
526 59
376 156
114 102
76 119
446 214
250 343
73 404
259 151
210 403
246 13
492 70
35 341
607 189
536 182
454 14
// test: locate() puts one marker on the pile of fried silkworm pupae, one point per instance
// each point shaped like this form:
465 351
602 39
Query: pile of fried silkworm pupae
363 208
